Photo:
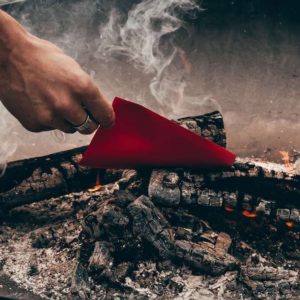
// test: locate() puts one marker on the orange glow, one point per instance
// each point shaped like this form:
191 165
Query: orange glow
289 224
97 185
249 214
229 209
286 159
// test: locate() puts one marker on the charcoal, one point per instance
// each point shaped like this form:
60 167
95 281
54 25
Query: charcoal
164 189
268 282
100 259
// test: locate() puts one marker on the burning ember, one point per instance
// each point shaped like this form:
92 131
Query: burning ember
249 214
290 224
228 209
97 184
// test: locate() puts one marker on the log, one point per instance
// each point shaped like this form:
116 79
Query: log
254 187
36 179
268 282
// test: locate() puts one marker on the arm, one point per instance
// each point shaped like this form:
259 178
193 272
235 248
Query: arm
44 88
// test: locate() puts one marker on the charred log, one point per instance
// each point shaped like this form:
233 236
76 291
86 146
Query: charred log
41 178
129 227
248 186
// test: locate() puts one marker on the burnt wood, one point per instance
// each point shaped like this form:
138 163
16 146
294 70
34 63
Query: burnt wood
247 187
36 179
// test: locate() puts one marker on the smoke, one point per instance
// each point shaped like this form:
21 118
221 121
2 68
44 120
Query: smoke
5 2
8 138
146 39
154 52
143 33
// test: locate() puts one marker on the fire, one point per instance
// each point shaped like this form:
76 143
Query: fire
249 214
229 209
289 224
97 185
286 160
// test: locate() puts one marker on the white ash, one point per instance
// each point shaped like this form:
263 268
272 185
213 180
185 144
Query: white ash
270 166
53 276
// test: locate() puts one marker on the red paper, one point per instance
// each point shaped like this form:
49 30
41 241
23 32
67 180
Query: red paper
142 138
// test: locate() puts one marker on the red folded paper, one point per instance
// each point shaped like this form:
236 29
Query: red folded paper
142 138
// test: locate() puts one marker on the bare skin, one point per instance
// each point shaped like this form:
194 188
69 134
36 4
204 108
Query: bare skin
44 88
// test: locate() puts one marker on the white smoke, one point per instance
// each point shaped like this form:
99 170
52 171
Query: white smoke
8 138
5 2
145 39
251 72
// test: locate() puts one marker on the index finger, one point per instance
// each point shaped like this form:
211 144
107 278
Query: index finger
97 105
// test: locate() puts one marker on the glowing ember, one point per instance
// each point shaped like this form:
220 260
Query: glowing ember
97 185
289 224
286 160
249 214
229 209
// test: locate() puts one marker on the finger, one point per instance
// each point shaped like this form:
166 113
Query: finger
74 115
36 128
63 126
97 105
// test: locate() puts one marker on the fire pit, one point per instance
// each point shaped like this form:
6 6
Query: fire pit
169 234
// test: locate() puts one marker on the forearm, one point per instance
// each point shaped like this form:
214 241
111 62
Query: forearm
11 35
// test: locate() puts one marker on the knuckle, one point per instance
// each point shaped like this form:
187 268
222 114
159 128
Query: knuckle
83 83
45 118
62 106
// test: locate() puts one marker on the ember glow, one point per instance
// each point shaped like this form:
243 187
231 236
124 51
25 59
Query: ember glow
286 160
290 224
97 185
228 209
249 214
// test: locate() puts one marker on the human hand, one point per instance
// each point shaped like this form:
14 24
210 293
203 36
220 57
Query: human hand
44 88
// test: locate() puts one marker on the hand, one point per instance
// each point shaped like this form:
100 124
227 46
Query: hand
46 89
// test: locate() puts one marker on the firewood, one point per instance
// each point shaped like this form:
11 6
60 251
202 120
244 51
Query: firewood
269 282
36 179
247 186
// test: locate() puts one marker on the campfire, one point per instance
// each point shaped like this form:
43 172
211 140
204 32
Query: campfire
223 233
